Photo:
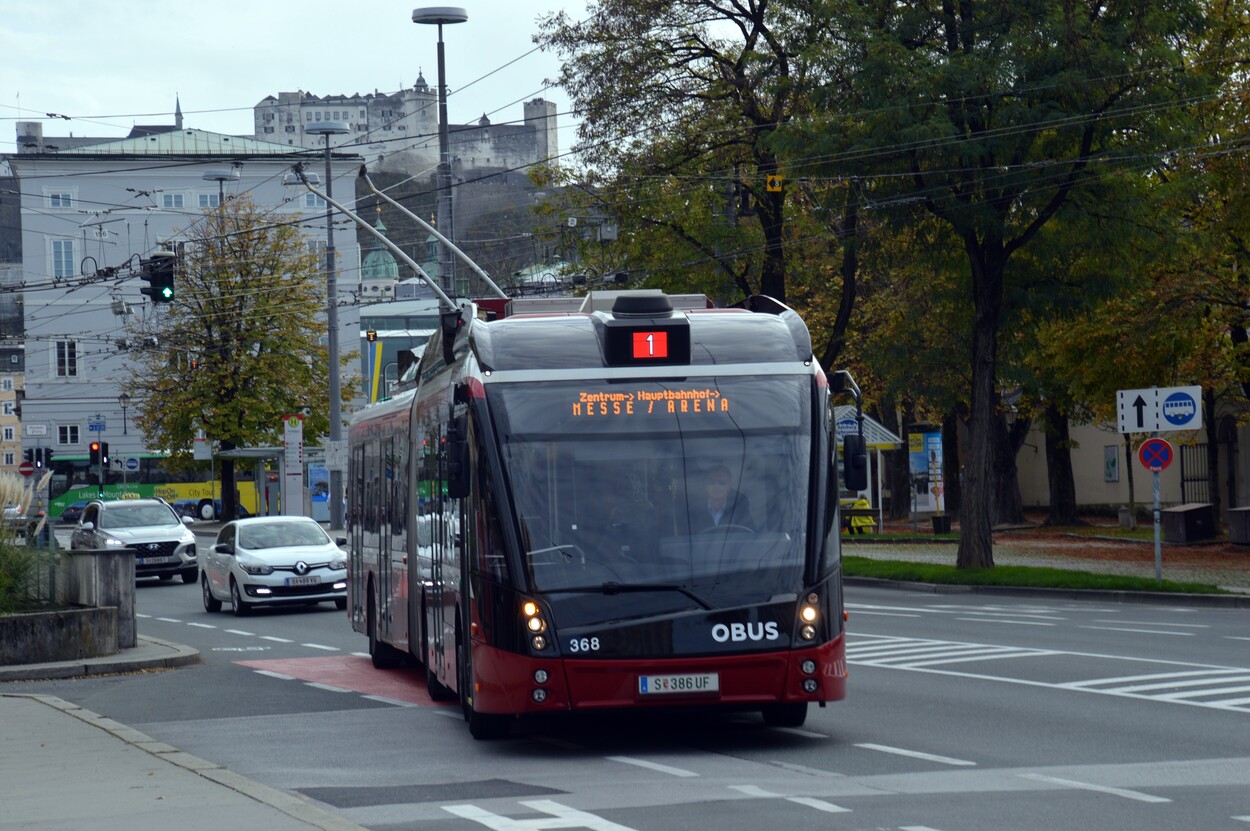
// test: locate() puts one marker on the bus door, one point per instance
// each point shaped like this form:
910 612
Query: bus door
382 493
430 495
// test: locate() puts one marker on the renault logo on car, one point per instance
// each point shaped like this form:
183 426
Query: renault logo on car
301 568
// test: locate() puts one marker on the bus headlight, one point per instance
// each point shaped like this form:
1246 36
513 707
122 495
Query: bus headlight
538 642
540 676
808 632
534 622
807 667
810 685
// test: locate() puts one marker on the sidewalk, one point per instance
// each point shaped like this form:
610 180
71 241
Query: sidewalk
66 767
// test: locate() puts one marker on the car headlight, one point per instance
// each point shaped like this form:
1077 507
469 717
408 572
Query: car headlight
114 543
338 565
256 568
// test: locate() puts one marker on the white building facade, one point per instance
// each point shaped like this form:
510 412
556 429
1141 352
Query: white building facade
89 214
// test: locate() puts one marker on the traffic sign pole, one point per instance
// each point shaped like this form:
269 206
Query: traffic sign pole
1158 542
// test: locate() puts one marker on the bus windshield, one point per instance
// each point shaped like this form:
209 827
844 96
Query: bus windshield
647 498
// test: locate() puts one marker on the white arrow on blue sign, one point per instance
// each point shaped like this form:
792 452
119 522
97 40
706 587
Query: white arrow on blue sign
1159 409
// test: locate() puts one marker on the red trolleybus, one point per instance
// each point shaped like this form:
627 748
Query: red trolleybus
625 505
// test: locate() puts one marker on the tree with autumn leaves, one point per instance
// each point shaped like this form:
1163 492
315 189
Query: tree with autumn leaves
1003 124
241 345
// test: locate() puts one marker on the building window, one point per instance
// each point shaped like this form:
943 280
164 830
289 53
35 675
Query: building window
6 385
9 458
268 129
290 128
312 200
336 115
362 113
9 435
67 434
7 408
210 200
66 359
318 116
308 116
60 200
62 258
172 200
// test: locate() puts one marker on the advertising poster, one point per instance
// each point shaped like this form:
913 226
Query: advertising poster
319 482
927 488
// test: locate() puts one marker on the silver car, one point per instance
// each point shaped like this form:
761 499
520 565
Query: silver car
273 560
162 541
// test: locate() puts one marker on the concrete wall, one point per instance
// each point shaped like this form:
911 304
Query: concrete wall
62 635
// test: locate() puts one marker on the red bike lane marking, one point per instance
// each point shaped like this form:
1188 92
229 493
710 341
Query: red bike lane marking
352 672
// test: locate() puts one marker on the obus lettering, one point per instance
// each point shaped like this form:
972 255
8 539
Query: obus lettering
739 632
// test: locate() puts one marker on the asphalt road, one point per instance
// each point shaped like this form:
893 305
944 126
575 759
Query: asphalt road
964 712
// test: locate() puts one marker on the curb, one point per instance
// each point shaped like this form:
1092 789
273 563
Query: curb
289 804
149 653
1160 598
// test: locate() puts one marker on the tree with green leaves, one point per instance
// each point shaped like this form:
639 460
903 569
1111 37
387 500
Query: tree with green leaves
240 346
680 102
990 117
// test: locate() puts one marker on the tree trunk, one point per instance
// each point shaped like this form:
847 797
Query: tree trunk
773 269
976 540
1060 480
898 469
950 457
229 504
1213 450
1007 507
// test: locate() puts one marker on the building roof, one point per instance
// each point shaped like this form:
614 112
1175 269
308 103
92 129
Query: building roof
187 143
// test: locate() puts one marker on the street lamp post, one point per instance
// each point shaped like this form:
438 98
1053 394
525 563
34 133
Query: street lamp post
221 176
124 400
327 129
438 15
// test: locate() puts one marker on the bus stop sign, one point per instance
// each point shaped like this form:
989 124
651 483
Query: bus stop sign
1155 454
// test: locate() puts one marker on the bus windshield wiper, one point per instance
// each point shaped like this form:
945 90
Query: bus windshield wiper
613 587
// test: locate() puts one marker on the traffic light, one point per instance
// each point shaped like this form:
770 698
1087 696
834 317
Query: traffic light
38 457
158 271
95 454
47 457
371 335
104 453
28 456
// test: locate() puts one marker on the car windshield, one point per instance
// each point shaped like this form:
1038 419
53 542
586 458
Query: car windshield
281 534
685 494
137 516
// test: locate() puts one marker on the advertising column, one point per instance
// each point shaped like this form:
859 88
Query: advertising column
928 490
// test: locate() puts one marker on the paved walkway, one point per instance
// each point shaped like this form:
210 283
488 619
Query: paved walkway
63 767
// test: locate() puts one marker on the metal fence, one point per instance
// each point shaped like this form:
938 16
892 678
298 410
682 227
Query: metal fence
1195 486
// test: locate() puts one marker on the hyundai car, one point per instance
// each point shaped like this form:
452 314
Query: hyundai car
162 541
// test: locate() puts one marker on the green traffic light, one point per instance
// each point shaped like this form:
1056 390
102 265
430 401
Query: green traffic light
167 292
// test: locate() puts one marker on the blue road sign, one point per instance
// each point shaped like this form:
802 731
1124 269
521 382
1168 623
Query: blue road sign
1180 409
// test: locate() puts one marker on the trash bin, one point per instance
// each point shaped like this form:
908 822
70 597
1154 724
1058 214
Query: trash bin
1191 522
941 523
1239 525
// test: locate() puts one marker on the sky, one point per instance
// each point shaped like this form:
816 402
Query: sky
113 64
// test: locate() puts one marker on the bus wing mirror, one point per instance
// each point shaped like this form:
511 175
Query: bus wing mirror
854 463
458 471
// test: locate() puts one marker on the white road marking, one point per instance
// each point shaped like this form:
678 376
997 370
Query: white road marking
916 754
1181 696
169 620
656 766
893 652
1089 786
326 687
884 614
272 674
276 640
319 646
818 804
202 625
1242 819
1140 631
995 620
752 790
394 702
240 632
561 816
1155 623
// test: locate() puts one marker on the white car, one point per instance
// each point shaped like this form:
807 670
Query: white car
270 561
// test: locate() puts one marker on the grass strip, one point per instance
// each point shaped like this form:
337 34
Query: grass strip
1019 576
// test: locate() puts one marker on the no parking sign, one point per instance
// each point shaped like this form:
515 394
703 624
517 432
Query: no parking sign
1155 454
